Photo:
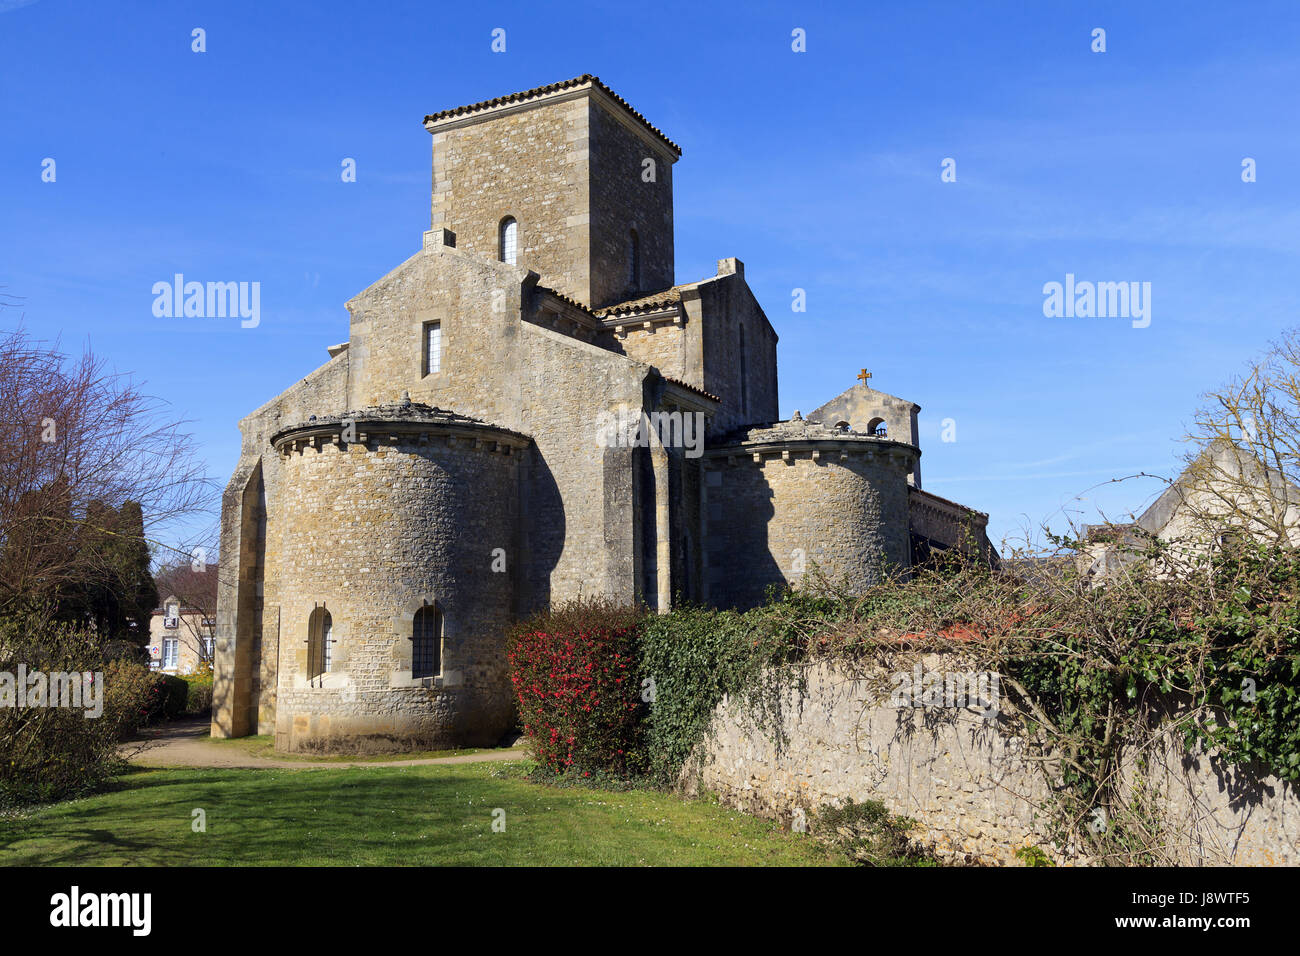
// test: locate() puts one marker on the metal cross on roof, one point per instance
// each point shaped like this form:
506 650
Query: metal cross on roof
863 376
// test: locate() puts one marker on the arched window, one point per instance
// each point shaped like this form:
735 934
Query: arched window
633 261
878 428
426 639
509 240
319 638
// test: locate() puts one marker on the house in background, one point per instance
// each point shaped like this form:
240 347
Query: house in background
1225 496
180 637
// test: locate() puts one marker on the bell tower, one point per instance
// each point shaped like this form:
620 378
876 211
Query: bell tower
567 180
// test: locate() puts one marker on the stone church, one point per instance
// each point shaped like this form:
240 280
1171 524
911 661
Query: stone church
532 409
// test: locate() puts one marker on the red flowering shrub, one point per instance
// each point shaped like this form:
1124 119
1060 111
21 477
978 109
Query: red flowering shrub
577 683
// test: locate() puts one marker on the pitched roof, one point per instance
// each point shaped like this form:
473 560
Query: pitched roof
646 303
691 388
538 91
914 492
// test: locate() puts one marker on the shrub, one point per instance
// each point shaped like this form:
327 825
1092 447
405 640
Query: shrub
134 696
870 835
175 695
695 656
50 753
199 682
575 678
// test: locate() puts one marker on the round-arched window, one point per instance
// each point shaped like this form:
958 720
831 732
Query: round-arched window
509 242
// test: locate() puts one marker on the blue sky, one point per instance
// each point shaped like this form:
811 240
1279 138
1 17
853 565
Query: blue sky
821 170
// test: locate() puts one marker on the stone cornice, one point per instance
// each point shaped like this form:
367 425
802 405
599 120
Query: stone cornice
817 448
391 424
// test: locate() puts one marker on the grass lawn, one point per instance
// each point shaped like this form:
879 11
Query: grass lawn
388 816
264 746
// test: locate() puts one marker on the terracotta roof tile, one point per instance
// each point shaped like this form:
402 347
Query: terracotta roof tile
660 299
567 300
536 91
691 388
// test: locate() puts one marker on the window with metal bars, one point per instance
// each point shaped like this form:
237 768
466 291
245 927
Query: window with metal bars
319 639
426 638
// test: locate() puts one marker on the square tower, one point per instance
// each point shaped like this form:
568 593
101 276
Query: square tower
566 179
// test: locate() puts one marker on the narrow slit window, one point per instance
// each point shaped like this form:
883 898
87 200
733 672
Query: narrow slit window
744 377
426 637
633 261
509 241
433 348
319 639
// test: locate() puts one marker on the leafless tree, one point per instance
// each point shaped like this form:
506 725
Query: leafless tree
76 440
1244 459
192 579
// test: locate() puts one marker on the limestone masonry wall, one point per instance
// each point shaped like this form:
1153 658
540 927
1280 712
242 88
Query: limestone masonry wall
372 530
966 781
842 506
747 386
622 200
531 165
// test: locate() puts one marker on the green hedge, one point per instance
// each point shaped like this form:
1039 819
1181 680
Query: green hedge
605 689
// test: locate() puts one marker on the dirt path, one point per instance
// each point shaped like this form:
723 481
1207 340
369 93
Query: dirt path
185 743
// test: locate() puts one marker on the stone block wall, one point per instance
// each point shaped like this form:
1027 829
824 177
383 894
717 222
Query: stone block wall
865 408
568 167
622 200
478 303
966 781
720 312
530 164
774 508
244 682
664 346
372 530
581 500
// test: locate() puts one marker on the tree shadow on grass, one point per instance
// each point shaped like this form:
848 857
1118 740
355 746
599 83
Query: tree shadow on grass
256 817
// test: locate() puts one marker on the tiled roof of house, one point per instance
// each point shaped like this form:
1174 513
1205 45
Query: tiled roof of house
537 91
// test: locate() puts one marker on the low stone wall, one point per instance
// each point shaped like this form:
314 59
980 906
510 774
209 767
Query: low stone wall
976 790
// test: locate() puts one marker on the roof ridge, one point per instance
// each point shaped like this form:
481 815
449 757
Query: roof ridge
552 88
